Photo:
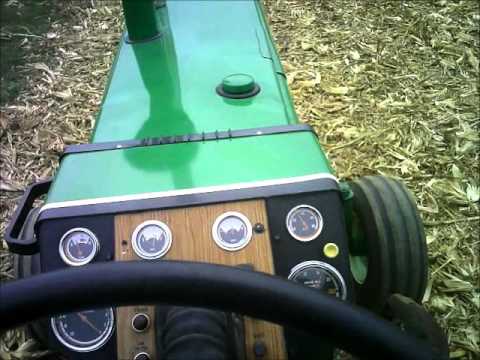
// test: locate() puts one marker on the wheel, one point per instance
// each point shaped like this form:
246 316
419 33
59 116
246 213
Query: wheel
388 246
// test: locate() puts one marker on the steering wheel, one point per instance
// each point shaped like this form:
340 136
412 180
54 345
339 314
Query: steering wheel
224 288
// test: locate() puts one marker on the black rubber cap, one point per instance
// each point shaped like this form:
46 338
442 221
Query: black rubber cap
140 322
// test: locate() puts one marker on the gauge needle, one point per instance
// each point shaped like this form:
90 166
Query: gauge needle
88 322
305 225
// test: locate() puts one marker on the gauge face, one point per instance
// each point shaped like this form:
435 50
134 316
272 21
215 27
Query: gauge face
304 222
232 231
85 330
78 246
151 239
320 276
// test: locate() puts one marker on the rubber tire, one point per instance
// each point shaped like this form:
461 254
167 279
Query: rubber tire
395 239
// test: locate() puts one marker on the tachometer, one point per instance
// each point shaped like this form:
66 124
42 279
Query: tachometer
304 222
78 246
232 231
151 239
84 331
320 276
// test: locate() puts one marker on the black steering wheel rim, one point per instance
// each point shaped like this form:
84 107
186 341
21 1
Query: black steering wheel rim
225 288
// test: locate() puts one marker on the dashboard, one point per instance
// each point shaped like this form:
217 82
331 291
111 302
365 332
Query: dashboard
299 236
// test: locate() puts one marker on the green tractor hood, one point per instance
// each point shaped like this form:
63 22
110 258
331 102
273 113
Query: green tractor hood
165 81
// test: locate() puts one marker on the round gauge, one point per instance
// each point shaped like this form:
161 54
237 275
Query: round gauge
84 331
151 239
320 276
232 231
304 222
78 246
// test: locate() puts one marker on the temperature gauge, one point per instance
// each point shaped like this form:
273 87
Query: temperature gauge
78 246
151 239
304 222
232 231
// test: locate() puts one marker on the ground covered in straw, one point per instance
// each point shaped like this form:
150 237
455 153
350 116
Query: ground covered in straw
391 88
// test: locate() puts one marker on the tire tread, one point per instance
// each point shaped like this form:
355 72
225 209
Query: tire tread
397 253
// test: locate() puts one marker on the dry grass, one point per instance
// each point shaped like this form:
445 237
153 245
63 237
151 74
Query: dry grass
65 68
391 88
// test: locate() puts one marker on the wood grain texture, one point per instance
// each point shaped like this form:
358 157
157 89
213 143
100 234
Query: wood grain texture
130 342
192 241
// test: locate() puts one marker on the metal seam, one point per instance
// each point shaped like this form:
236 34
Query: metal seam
203 136
193 191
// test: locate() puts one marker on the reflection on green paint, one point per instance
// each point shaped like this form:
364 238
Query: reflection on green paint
166 87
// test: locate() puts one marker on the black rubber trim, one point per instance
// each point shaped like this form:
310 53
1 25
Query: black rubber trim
133 42
256 89
188 327
167 140
224 288
15 242
311 186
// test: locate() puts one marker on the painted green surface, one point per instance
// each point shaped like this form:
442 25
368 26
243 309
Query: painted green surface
187 165
238 84
140 19
167 87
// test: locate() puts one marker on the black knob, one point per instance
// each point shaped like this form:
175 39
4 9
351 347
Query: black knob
142 356
140 323
259 348
259 228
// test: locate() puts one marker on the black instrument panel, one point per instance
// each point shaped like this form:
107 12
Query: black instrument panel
88 334
289 252
301 226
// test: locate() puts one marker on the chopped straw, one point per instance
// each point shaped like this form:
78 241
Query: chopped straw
391 88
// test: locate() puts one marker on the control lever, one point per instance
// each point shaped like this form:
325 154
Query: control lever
417 322
197 333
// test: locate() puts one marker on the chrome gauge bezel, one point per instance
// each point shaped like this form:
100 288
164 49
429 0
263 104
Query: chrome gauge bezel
99 342
69 260
223 244
292 232
320 264
157 255
133 320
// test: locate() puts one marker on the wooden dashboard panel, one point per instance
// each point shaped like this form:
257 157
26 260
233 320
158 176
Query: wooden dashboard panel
192 241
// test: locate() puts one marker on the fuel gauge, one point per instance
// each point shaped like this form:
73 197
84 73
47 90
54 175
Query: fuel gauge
151 239
232 231
78 246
